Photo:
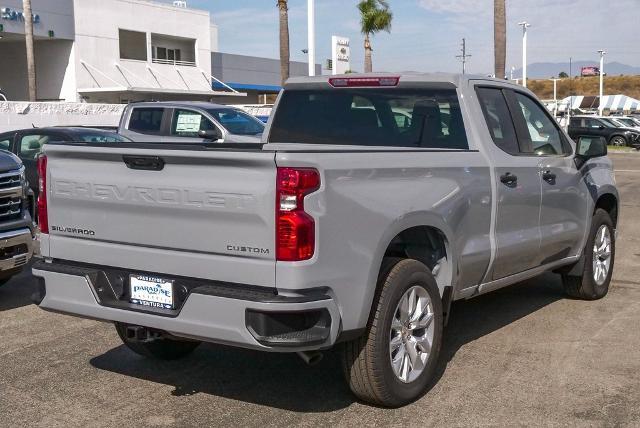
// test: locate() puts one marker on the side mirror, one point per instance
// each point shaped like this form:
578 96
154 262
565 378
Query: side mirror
600 127
210 134
588 148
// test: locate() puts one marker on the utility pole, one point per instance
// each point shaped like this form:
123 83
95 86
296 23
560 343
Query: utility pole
524 25
464 55
311 36
28 36
555 97
570 90
601 103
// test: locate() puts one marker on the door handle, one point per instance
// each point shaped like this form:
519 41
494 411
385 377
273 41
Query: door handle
549 177
148 163
509 179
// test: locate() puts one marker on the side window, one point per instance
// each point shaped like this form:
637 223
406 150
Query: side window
187 123
592 123
575 122
543 133
146 120
4 144
496 114
31 146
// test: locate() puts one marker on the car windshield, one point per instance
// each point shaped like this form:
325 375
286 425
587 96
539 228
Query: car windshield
627 121
237 122
99 137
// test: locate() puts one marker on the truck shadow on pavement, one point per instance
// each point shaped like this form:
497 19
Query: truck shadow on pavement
284 381
17 292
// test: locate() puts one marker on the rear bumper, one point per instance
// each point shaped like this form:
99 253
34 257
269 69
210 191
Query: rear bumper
16 249
230 314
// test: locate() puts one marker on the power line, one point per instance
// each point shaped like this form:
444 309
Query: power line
464 55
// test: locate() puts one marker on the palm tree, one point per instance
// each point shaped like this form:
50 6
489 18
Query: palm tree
375 16
28 35
499 37
284 40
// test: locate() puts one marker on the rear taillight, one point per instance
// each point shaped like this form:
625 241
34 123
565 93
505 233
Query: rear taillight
43 217
295 229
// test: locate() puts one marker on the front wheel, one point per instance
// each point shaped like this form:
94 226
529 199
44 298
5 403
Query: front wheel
161 348
599 255
392 363
618 141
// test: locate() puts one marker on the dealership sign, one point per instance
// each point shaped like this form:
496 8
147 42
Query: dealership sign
16 15
340 55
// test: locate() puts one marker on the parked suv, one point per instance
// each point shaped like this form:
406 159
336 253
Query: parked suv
603 127
346 227
189 122
16 227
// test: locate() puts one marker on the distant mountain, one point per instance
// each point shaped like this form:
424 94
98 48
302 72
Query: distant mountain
541 70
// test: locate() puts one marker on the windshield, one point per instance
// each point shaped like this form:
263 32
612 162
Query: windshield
236 121
627 121
99 137
429 118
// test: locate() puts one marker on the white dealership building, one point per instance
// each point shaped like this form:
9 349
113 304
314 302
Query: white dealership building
111 51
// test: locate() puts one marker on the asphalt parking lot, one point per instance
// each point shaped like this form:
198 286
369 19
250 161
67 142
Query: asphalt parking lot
525 355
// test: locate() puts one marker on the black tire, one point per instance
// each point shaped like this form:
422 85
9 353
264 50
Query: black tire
366 360
618 141
159 349
584 286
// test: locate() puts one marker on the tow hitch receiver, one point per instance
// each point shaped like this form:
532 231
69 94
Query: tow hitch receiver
138 333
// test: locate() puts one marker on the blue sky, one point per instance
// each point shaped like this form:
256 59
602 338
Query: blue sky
426 34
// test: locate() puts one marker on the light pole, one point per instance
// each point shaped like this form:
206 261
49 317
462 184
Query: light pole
601 103
524 25
311 36
555 97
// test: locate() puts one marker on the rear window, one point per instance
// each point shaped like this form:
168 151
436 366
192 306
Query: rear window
429 118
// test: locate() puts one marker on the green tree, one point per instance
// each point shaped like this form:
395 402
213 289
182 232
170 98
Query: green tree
499 38
284 40
563 75
375 16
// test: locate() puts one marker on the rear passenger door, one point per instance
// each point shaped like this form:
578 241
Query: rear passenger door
146 124
517 227
563 213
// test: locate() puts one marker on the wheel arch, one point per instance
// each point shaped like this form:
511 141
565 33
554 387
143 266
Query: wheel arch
417 234
609 202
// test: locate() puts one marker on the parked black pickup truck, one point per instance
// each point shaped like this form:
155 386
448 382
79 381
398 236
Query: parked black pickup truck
16 226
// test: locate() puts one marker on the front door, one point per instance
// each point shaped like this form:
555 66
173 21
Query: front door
517 232
563 215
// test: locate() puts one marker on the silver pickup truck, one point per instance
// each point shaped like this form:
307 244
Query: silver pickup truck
372 202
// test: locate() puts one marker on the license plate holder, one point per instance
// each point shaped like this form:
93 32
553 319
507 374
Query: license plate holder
151 291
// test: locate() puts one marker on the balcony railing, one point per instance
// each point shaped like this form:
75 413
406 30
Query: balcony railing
173 62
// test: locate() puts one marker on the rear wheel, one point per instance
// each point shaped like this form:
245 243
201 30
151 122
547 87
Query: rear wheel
599 255
618 141
161 348
392 363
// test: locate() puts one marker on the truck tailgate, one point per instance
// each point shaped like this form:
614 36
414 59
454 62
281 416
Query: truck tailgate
196 213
